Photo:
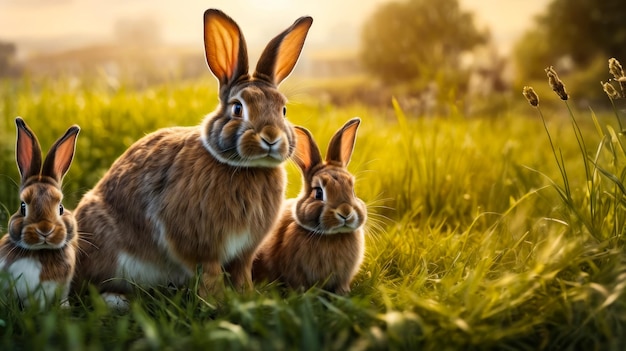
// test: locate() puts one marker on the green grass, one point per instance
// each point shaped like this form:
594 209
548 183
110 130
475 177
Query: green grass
470 244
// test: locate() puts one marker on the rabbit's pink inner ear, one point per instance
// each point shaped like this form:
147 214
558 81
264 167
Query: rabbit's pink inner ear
290 50
307 152
342 144
224 46
281 53
24 153
27 152
61 154
64 156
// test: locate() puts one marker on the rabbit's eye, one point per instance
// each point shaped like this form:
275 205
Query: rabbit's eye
237 109
285 111
23 208
318 193
60 210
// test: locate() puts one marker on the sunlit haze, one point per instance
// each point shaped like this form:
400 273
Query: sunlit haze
59 24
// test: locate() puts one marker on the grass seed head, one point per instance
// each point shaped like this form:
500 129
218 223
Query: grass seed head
610 91
556 83
530 95
615 68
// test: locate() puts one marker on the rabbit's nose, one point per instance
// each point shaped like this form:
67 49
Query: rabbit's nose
270 136
270 142
45 232
345 215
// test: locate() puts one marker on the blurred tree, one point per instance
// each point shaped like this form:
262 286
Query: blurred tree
417 39
583 31
531 55
7 57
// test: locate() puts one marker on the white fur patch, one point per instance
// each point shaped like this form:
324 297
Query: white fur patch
135 270
25 275
47 292
157 223
235 244
148 274
116 302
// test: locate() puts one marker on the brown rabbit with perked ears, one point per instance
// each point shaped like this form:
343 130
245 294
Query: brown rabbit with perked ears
319 239
202 196
39 252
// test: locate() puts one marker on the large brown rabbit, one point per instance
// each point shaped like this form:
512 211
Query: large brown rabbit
39 252
203 196
319 239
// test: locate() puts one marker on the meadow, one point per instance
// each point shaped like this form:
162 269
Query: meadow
483 233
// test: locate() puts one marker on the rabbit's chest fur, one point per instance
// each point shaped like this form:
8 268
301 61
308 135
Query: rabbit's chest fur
37 274
25 276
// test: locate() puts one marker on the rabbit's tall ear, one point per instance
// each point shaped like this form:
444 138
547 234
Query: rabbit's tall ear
281 54
224 46
342 144
27 151
307 152
61 154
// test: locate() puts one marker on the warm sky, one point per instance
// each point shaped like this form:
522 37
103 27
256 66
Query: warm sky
181 19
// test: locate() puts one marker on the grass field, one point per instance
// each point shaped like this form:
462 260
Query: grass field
476 238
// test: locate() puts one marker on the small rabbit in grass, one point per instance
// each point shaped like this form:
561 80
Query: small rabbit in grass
319 238
202 196
39 252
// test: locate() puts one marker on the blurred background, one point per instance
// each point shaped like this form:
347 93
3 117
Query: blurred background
428 54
